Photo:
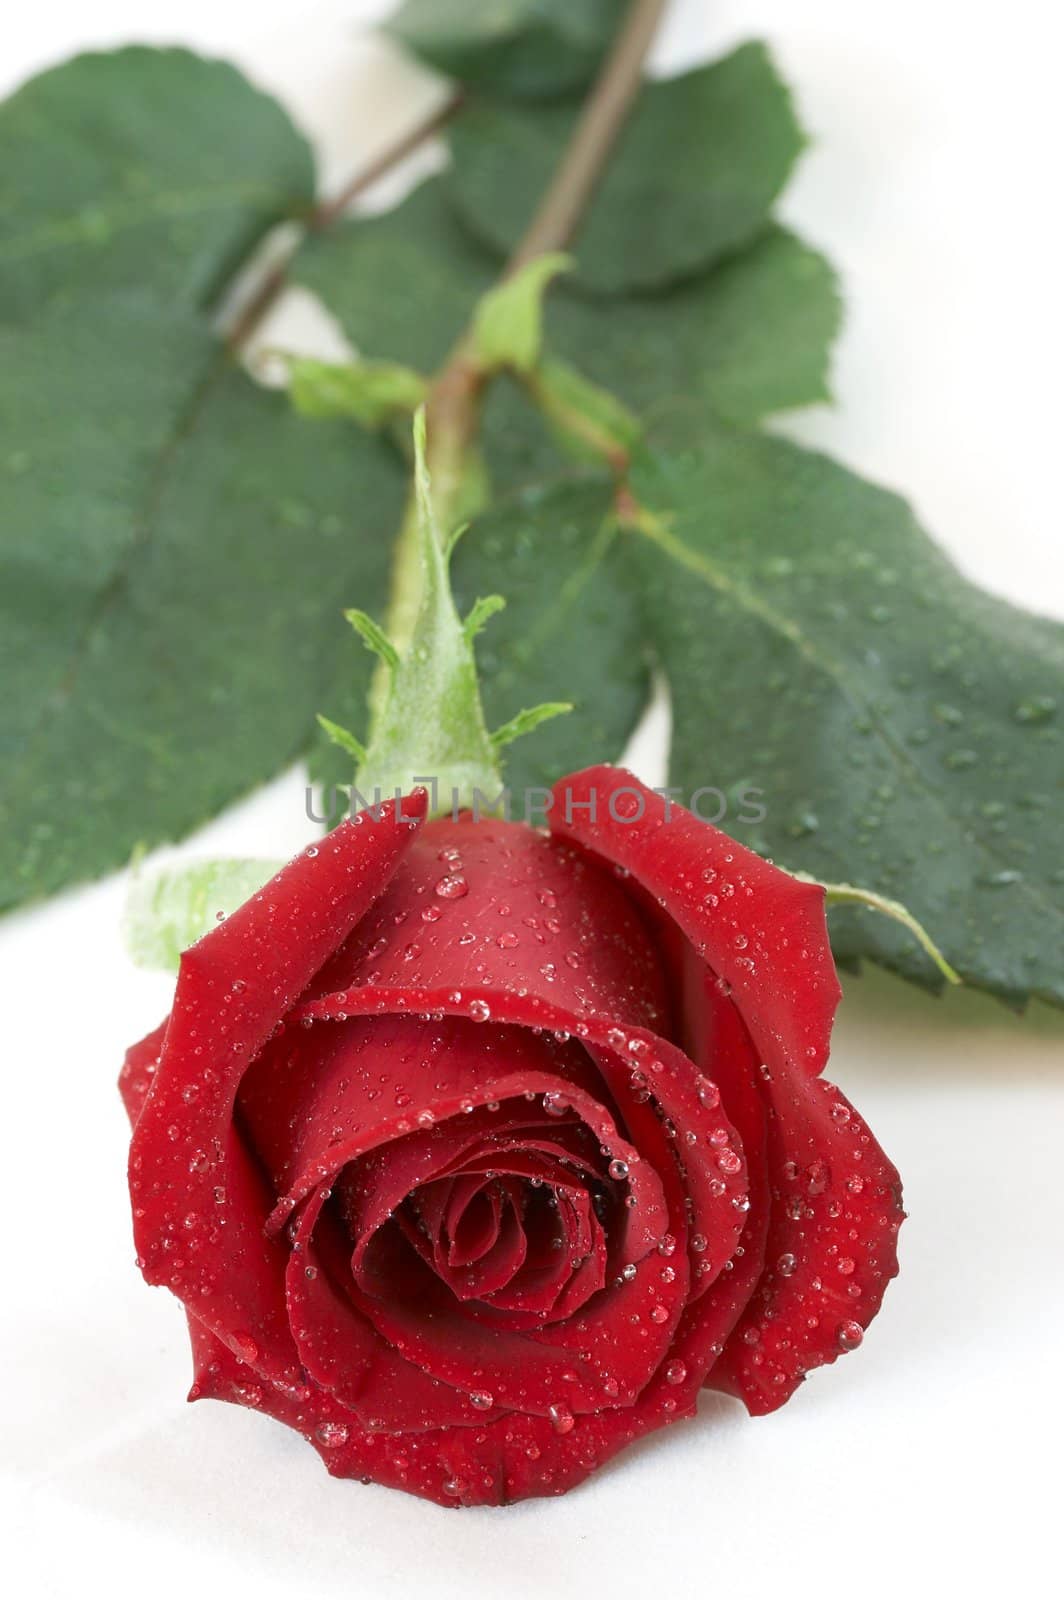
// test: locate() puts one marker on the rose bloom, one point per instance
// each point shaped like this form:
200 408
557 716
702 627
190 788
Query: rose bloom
475 1152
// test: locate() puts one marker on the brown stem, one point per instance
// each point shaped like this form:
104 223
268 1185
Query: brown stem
562 206
457 392
454 402
329 210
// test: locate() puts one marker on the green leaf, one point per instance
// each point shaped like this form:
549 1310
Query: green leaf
141 168
369 392
570 633
509 47
508 320
902 724
749 338
693 178
177 547
166 911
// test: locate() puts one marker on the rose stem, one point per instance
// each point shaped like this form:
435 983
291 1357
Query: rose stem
454 400
562 206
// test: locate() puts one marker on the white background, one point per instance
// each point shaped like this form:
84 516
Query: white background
929 1459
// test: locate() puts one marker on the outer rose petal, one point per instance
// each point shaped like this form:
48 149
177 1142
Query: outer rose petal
830 1218
138 1069
831 1247
757 927
199 1204
533 914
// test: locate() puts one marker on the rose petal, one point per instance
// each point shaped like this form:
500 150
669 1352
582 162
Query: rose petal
831 1248
191 1180
534 914
758 928
138 1069
340 1349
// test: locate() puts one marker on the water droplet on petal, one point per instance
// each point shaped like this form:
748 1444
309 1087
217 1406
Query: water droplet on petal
561 1418
331 1434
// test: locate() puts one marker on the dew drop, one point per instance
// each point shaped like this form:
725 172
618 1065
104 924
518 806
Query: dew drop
561 1418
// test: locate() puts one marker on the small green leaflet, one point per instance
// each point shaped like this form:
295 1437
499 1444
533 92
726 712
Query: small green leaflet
694 176
370 392
169 909
509 47
508 320
902 724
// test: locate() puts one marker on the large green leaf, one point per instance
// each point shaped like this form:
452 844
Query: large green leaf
146 168
175 544
509 47
902 723
172 639
693 178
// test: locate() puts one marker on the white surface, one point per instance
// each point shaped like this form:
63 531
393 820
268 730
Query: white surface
930 1459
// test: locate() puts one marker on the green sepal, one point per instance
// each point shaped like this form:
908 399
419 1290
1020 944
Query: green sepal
485 607
373 637
429 723
342 738
528 719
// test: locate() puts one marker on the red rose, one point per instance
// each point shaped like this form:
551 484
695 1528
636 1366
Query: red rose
474 1153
